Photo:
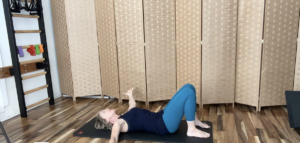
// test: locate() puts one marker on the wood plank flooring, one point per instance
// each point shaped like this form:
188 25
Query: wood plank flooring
240 124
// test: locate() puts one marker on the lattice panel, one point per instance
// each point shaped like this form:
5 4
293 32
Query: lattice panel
279 50
130 39
159 17
61 46
81 24
107 47
297 70
219 50
188 39
250 29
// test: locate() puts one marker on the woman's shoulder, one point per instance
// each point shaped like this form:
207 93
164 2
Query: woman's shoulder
120 121
123 125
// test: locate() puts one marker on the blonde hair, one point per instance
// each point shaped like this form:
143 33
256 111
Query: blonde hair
101 123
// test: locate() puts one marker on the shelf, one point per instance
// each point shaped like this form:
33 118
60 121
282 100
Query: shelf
37 103
26 47
34 75
28 31
25 67
28 62
25 16
36 89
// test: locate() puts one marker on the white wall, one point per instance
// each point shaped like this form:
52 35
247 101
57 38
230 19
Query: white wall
8 95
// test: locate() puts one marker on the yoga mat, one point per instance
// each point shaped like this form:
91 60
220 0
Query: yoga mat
179 136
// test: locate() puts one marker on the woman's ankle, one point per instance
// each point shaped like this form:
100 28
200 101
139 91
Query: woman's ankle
191 129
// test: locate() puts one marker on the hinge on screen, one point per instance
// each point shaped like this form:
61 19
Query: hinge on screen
145 44
262 41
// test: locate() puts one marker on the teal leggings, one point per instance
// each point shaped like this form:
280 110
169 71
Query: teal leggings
182 103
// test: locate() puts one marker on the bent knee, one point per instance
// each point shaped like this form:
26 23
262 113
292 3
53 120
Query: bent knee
189 86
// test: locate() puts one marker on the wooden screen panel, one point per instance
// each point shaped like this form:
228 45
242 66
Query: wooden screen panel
81 25
188 40
159 17
130 39
61 46
107 47
249 44
297 70
279 51
218 51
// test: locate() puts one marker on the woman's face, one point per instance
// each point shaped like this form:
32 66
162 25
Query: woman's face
107 114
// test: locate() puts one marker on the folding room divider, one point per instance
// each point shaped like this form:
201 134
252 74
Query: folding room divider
241 51
279 51
77 48
249 51
159 16
188 44
297 70
130 45
107 47
62 47
266 69
218 51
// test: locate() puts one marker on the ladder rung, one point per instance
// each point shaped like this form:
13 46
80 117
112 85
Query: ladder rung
26 47
36 89
28 31
37 103
34 75
26 16
32 61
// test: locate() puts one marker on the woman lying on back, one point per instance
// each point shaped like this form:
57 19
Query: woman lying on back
164 122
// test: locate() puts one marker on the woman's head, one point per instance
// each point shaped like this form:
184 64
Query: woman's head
105 119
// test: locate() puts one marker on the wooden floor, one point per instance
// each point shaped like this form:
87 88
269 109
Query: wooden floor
241 124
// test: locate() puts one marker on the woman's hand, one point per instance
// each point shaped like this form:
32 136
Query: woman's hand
129 92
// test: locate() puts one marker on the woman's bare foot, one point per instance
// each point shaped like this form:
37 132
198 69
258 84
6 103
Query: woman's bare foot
197 133
201 124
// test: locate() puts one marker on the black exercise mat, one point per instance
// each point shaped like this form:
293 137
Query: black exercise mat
88 130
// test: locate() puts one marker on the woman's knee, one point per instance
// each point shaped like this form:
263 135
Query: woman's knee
189 86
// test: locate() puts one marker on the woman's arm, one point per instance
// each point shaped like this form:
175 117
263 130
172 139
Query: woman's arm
115 131
132 102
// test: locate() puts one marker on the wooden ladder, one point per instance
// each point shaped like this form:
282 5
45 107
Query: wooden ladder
19 68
